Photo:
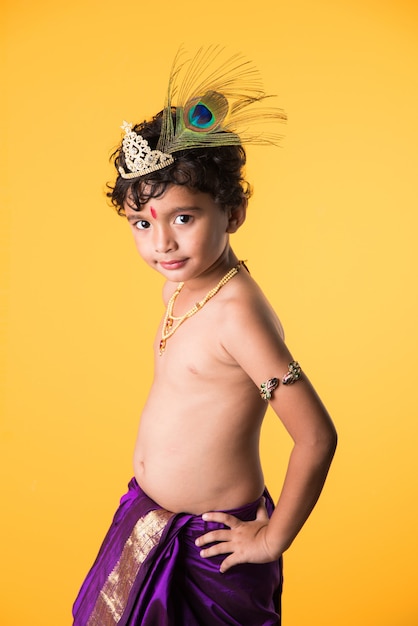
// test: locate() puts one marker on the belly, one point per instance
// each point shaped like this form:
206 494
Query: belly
194 474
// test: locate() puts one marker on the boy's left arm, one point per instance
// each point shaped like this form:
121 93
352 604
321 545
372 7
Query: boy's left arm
314 436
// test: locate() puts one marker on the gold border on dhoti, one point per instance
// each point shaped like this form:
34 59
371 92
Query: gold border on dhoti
114 594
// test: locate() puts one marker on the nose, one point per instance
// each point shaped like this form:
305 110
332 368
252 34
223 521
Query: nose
163 239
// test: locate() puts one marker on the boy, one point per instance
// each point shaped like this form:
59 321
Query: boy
209 553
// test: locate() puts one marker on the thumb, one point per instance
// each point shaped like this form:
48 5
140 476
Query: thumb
262 514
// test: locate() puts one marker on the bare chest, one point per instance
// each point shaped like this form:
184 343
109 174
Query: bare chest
193 350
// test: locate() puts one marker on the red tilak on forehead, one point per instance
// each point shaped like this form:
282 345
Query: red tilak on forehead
153 212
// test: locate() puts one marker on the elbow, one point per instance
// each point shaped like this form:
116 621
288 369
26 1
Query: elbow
325 443
319 443
329 442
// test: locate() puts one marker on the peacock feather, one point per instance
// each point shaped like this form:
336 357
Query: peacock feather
217 101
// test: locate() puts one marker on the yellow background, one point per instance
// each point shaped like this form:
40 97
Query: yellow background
331 237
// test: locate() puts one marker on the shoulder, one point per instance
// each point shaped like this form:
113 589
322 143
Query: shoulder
246 307
251 334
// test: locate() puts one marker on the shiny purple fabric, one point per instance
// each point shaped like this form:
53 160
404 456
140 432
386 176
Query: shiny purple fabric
175 586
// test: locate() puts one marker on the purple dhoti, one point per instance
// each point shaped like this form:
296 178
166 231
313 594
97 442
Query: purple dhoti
149 573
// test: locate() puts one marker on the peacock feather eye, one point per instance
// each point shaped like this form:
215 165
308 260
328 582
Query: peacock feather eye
205 113
200 116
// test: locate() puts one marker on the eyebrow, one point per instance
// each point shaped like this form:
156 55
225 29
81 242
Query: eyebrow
177 210
185 209
133 218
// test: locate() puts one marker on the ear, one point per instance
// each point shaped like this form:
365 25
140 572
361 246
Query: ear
237 216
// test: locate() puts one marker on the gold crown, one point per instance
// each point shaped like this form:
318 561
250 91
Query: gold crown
139 157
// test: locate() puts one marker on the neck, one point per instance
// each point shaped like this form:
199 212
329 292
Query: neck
215 272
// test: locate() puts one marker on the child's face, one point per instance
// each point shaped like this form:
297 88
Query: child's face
182 233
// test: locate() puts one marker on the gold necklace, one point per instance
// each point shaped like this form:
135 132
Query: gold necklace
168 325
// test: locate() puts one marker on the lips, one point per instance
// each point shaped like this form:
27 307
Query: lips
174 264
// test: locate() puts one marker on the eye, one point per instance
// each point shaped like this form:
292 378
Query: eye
182 219
142 225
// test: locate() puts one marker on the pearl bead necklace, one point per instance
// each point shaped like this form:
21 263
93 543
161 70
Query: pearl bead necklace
169 328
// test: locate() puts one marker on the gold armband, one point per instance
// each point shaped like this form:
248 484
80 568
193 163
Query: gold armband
292 375
267 388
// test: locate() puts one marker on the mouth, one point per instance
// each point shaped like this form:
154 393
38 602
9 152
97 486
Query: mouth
174 264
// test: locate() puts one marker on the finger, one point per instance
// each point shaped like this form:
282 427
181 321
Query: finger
219 548
221 518
213 536
227 563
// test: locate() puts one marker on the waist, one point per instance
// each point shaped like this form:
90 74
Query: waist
245 512
196 491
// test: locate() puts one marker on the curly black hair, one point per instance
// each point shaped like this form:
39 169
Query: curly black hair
217 171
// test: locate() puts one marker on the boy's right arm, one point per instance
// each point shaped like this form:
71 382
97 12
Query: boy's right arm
264 355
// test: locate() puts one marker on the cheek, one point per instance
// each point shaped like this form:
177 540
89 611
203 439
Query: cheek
140 243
